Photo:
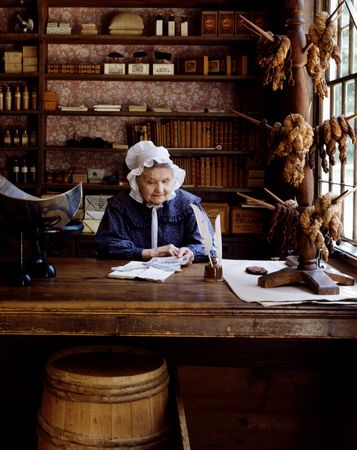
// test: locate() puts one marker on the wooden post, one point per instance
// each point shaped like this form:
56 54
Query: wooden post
298 101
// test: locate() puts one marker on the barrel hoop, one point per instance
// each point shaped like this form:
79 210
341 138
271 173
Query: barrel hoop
65 439
114 395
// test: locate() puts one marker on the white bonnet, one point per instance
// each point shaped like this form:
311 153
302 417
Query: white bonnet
143 154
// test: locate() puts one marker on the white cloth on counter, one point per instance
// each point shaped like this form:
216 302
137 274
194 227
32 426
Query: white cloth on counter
245 286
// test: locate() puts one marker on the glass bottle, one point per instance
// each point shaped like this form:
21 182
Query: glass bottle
1 99
24 139
33 139
16 139
171 26
24 171
159 25
17 99
184 26
8 99
26 98
15 171
32 172
34 98
7 139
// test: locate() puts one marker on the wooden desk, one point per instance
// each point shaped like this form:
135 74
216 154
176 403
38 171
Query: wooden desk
247 367
81 300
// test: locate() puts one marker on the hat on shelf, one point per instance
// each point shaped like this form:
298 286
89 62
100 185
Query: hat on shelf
126 23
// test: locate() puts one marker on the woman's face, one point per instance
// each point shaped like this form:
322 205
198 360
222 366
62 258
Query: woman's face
156 184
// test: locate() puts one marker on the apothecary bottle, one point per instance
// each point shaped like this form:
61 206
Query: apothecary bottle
184 26
8 99
7 139
24 171
159 25
1 99
24 139
15 171
26 99
17 99
34 98
32 172
171 26
16 139
33 139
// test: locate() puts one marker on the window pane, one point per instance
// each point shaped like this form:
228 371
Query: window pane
350 98
344 51
337 107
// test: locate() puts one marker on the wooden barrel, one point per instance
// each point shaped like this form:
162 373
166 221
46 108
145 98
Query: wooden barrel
103 397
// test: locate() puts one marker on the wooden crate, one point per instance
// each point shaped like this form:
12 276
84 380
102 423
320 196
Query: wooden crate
246 220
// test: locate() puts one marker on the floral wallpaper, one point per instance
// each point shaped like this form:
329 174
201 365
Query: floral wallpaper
175 94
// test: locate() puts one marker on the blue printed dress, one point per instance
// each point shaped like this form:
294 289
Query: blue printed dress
125 230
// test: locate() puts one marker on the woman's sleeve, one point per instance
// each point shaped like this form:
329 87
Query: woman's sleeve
112 239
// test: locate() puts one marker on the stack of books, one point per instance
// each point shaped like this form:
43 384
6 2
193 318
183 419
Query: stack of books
89 28
107 107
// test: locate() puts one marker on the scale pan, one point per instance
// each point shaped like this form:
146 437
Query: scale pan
22 210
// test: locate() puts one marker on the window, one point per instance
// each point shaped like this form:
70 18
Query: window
342 99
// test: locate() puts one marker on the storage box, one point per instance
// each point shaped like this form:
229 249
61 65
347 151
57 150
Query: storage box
50 101
29 51
13 62
213 209
29 69
209 23
138 69
163 69
114 68
226 23
12 57
246 220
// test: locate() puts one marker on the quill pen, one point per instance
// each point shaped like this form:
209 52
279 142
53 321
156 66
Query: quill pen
202 226
218 236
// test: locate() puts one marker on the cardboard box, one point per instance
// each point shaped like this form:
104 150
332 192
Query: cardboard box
246 220
13 67
209 23
29 51
13 57
213 209
29 69
29 61
114 68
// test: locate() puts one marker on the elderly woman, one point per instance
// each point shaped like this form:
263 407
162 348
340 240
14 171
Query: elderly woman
155 218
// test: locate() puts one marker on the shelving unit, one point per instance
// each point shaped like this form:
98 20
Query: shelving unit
195 92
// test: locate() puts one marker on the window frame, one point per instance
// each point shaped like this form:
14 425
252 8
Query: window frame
326 109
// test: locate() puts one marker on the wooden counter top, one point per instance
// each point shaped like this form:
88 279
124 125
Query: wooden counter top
81 300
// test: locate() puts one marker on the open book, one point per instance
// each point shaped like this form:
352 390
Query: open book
157 269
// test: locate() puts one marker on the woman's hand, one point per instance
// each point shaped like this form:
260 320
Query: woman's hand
168 250
185 251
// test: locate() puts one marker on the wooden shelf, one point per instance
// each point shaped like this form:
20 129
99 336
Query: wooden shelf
148 78
172 114
100 39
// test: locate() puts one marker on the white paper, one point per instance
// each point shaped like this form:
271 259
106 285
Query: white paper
138 269
245 286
